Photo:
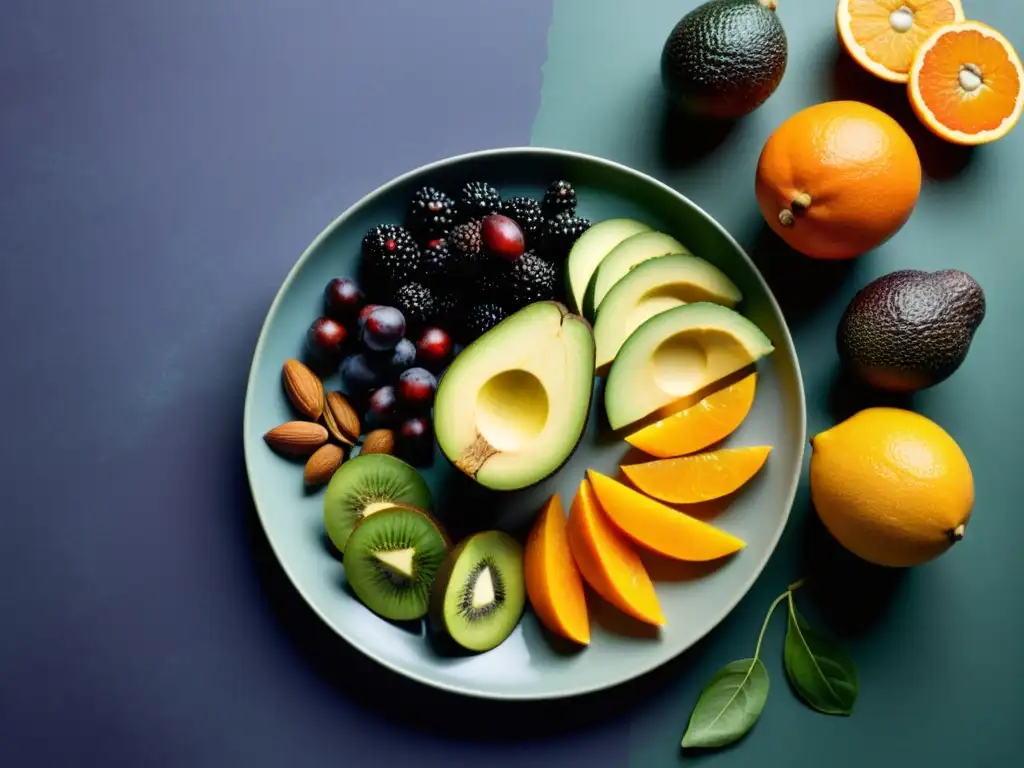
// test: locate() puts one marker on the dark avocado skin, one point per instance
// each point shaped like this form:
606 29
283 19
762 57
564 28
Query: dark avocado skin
725 58
911 329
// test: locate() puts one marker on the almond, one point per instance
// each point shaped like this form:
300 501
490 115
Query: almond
379 441
345 417
296 438
304 389
323 464
332 427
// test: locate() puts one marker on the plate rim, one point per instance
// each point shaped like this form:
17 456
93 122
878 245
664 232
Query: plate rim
786 341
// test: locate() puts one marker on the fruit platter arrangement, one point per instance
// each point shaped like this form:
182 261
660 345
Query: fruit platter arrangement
508 334
457 331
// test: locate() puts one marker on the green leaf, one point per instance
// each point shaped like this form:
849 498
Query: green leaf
820 671
729 705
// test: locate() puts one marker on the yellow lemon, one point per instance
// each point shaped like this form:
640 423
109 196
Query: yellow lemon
891 486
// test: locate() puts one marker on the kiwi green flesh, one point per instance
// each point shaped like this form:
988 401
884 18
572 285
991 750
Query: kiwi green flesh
365 485
392 559
480 593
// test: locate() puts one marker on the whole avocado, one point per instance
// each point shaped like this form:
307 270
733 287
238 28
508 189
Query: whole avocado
910 329
725 58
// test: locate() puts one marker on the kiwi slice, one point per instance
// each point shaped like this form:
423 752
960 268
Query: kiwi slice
480 591
392 559
365 485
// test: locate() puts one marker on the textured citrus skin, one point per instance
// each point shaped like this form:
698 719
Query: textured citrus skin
911 329
838 179
725 58
891 486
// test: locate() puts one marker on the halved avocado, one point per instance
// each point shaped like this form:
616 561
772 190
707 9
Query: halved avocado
627 255
676 354
512 406
589 250
651 288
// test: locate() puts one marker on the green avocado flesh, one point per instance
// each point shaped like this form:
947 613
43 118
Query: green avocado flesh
651 288
588 251
675 355
365 485
392 560
480 591
626 256
512 406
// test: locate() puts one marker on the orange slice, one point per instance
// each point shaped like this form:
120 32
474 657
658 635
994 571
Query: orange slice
608 563
883 35
553 581
659 528
701 477
712 419
967 84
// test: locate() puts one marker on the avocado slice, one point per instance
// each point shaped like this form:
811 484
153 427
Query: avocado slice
512 406
675 355
628 254
651 288
591 247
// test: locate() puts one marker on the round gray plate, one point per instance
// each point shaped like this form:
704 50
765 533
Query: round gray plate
530 664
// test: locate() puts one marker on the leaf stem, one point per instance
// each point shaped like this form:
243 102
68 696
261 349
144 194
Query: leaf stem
771 609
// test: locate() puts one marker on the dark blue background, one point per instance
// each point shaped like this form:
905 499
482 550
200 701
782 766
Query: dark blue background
163 165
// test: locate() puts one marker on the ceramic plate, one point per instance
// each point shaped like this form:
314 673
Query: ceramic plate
529 665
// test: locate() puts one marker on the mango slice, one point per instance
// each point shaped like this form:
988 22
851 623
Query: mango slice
712 419
659 528
608 564
700 477
553 581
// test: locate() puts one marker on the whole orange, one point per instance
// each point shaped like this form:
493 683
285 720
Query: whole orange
838 179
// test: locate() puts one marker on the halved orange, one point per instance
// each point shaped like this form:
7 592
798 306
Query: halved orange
883 35
700 477
712 419
967 84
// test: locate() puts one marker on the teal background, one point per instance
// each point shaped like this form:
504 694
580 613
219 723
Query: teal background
937 648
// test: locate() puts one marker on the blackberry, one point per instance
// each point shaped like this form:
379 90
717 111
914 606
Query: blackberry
560 233
560 197
532 279
390 256
436 262
415 302
526 212
478 199
481 318
490 284
466 247
431 214
446 308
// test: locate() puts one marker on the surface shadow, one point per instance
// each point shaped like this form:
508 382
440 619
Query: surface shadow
940 160
848 395
801 285
684 138
614 621
850 594
327 544
539 637
661 568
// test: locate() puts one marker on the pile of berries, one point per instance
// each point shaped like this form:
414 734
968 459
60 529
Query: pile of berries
388 366
467 262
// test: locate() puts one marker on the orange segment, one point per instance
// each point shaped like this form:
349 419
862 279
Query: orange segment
701 477
712 419
966 84
659 528
883 35
553 581
606 561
